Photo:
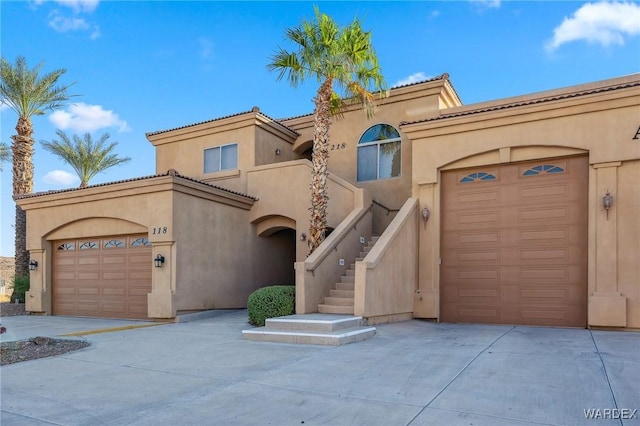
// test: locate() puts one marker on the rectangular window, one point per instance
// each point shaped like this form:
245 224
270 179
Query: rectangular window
367 162
221 158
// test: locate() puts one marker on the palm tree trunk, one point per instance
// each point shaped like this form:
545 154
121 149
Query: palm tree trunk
320 160
22 148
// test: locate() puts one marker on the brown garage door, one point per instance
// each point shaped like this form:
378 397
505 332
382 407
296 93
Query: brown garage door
514 244
102 277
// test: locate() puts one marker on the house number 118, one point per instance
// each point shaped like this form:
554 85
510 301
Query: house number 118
160 230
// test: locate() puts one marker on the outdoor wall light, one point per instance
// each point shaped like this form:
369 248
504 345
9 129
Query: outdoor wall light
33 265
607 202
303 237
425 214
278 152
159 261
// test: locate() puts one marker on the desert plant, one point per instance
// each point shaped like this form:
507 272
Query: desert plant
28 92
332 56
270 302
86 156
20 288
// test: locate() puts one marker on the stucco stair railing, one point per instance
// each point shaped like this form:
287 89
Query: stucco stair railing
341 296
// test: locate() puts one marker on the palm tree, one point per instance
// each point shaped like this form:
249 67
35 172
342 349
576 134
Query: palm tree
5 154
330 55
86 156
28 93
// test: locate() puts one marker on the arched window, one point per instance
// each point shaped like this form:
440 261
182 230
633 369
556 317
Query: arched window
543 169
379 153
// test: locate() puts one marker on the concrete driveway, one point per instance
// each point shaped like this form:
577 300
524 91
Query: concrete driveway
410 373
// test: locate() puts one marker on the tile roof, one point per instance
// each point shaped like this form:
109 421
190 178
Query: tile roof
444 76
254 109
526 102
171 172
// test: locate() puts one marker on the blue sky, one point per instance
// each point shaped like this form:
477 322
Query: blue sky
145 66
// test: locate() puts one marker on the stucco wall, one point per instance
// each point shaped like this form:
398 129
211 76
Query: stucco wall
600 124
267 142
257 137
387 277
404 104
106 210
628 213
283 191
220 258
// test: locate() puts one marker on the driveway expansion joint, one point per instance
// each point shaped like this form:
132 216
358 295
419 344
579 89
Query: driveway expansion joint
461 371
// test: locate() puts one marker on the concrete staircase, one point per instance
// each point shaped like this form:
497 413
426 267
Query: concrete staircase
340 299
318 329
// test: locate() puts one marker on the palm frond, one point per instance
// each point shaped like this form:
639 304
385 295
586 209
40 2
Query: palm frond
5 154
86 156
27 92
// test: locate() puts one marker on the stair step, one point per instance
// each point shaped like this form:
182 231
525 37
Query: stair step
341 293
346 286
350 273
313 323
339 301
348 279
333 338
333 309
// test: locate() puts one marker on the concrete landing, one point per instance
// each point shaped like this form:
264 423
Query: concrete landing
315 329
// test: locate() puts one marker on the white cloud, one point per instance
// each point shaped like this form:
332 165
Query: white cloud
80 6
96 33
61 178
605 23
65 20
63 24
489 4
413 78
87 118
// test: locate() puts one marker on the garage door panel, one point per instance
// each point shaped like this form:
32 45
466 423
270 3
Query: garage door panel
65 261
471 239
114 275
87 290
112 309
114 261
140 275
138 259
511 256
94 275
107 278
542 193
521 260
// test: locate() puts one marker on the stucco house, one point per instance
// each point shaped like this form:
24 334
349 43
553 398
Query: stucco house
487 213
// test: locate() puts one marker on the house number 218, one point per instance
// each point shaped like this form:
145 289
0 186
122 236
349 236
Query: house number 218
160 230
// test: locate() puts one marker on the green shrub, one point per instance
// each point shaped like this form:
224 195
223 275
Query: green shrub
270 302
20 288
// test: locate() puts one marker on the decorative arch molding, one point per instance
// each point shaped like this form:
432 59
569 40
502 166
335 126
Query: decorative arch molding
268 225
302 147
94 227
511 155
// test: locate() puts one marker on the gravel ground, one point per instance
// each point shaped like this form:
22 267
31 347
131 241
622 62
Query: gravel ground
11 309
36 347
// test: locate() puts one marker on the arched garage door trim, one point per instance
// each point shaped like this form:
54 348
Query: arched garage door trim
95 226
